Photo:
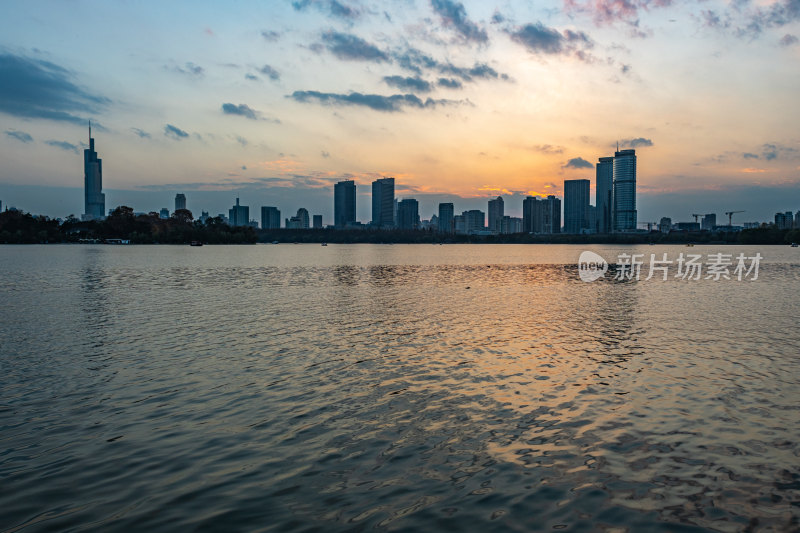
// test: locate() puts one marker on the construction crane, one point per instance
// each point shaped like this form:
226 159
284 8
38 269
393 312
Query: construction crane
695 217
730 216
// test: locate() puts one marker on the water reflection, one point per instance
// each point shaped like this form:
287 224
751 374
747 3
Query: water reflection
383 389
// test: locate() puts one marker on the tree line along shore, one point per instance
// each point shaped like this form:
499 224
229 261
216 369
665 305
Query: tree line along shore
17 227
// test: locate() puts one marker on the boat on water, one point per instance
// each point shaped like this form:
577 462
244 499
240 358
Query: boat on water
274 242
196 243
690 244
794 245
324 244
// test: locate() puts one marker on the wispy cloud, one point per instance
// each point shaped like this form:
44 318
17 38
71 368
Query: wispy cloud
32 88
175 132
20 136
353 48
788 40
393 103
270 35
270 72
334 8
449 83
189 69
408 84
141 133
63 145
577 162
639 142
540 39
242 110
548 149
454 15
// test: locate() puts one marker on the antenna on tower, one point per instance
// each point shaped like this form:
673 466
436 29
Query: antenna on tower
90 128
617 141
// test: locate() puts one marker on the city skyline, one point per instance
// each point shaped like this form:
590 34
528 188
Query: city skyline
277 102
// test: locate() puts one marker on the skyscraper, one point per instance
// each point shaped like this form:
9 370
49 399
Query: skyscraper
270 217
344 203
317 222
624 191
180 201
383 202
408 214
239 215
604 183
709 221
94 199
446 214
474 221
576 206
541 215
496 212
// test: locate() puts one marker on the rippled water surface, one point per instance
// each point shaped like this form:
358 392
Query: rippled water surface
393 387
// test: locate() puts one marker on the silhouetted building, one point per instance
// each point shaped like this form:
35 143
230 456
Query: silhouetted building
383 204
203 216
317 222
408 214
510 225
270 217
576 206
797 220
94 199
541 215
624 192
299 221
446 219
784 220
496 213
239 215
709 221
604 184
474 221
164 213
180 201
687 226
665 225
344 203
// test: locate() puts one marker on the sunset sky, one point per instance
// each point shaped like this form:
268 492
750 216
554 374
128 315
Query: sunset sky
276 101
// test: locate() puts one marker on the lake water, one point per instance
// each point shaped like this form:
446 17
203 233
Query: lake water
394 387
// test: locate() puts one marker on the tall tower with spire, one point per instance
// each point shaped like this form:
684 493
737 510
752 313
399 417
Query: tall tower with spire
94 199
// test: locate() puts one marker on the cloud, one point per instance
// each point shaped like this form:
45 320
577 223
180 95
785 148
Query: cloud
609 12
497 17
331 7
393 103
242 110
415 61
64 145
351 47
251 77
449 83
20 136
453 14
270 72
270 35
540 39
548 149
578 162
407 84
748 21
241 140
788 40
33 88
325 154
748 155
189 69
141 133
638 142
174 132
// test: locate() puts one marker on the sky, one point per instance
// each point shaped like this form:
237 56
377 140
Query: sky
275 101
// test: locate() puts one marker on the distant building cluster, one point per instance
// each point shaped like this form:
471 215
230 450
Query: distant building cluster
614 209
